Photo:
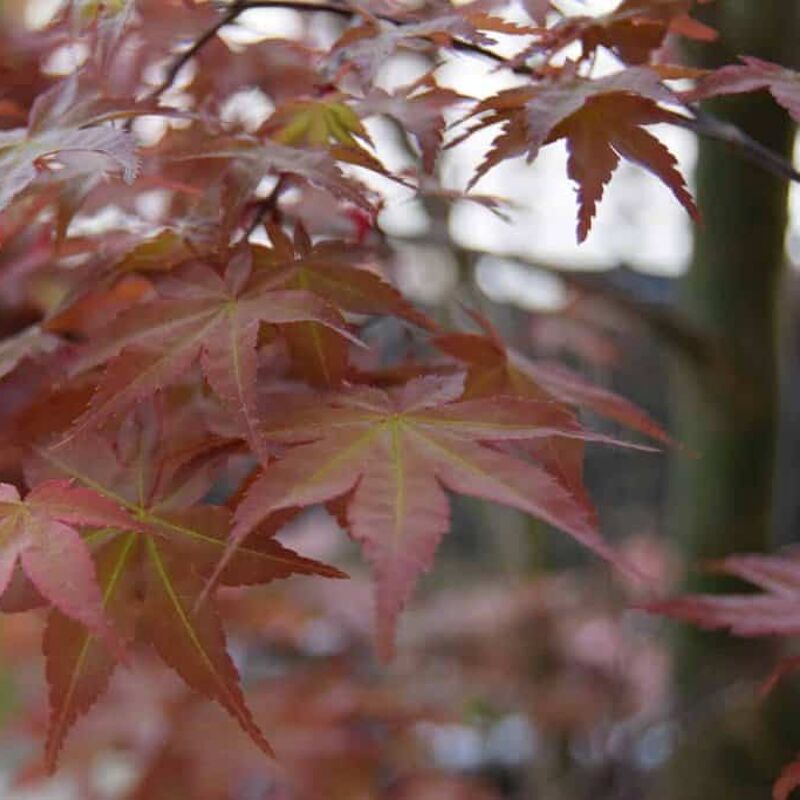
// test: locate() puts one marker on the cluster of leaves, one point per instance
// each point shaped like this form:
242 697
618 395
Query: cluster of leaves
343 729
175 390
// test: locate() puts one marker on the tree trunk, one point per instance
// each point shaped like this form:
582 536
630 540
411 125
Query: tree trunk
721 501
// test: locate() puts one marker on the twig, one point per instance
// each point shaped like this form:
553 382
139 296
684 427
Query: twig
183 58
315 5
712 127
265 206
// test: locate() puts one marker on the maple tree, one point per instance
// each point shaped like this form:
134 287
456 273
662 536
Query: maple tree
175 390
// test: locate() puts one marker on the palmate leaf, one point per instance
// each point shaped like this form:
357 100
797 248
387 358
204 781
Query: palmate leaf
752 74
491 372
329 124
198 314
61 155
66 138
317 122
261 158
601 121
609 127
77 665
493 368
775 611
150 589
788 781
537 10
391 453
419 108
331 270
633 31
368 46
40 534
151 578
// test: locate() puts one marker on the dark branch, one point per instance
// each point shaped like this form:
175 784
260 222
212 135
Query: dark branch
234 10
268 205
712 127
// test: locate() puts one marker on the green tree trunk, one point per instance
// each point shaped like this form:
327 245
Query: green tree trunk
721 501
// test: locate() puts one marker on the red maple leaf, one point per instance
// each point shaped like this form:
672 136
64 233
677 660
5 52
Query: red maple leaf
749 76
334 271
601 121
633 31
389 453
773 611
776 610
152 571
198 314
40 533
495 368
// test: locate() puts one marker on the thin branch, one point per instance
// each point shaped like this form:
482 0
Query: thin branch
712 127
267 205
235 9
315 5
666 324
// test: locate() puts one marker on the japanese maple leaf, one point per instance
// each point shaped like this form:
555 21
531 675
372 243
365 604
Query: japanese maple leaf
61 154
151 577
419 108
198 314
632 31
331 270
263 158
774 611
537 10
40 533
328 124
752 74
788 781
601 121
150 587
317 122
66 137
391 453
496 369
